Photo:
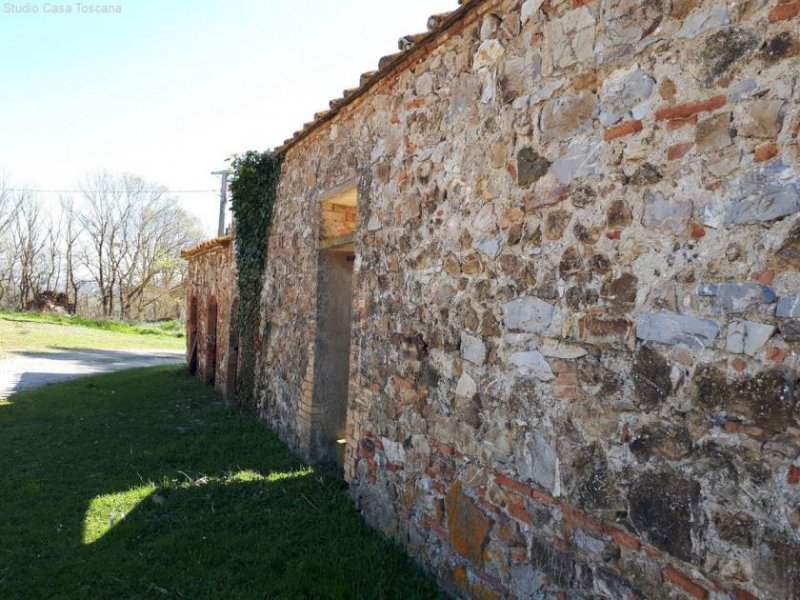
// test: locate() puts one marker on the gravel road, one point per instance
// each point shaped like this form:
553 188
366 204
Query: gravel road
27 370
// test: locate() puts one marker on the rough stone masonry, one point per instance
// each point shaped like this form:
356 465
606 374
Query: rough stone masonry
576 297
210 296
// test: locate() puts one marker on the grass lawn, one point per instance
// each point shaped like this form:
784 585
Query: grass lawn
33 331
142 484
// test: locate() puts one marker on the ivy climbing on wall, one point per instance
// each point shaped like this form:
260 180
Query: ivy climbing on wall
254 185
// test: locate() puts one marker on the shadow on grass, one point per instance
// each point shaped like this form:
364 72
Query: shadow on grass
141 484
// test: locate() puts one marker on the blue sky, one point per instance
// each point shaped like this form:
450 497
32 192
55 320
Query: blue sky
168 90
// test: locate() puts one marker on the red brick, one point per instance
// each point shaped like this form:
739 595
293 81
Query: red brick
565 374
519 513
765 277
793 477
679 150
733 427
690 108
510 484
488 506
542 496
688 585
674 124
651 550
784 12
622 129
756 433
765 152
698 231
626 540
512 170
776 354
575 516
741 594
565 391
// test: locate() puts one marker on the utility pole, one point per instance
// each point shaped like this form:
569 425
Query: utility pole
223 199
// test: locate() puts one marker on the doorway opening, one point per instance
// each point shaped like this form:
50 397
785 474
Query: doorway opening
211 342
332 368
334 315
192 339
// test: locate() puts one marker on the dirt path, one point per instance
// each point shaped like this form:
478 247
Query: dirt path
31 369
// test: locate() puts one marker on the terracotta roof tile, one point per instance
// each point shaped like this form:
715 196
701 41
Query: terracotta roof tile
434 21
222 241
437 25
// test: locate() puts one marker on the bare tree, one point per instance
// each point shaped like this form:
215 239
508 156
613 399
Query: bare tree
104 219
7 202
117 246
72 233
134 233
28 243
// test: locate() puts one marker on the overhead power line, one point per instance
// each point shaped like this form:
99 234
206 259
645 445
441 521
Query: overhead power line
168 191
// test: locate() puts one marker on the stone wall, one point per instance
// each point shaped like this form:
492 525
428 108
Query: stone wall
212 278
576 312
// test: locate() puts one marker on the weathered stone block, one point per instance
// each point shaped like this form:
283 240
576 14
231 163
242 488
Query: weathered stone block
719 51
714 133
567 115
590 482
579 160
790 330
622 290
789 306
665 440
473 349
767 398
528 314
783 45
662 506
662 212
557 349
622 92
672 328
737 297
646 174
466 386
628 21
748 337
529 9
536 460
530 166
766 193
467 526
570 39
532 363
701 20
759 118
651 377
737 528
394 451
489 52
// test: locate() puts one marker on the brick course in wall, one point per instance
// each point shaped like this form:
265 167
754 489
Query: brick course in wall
574 356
